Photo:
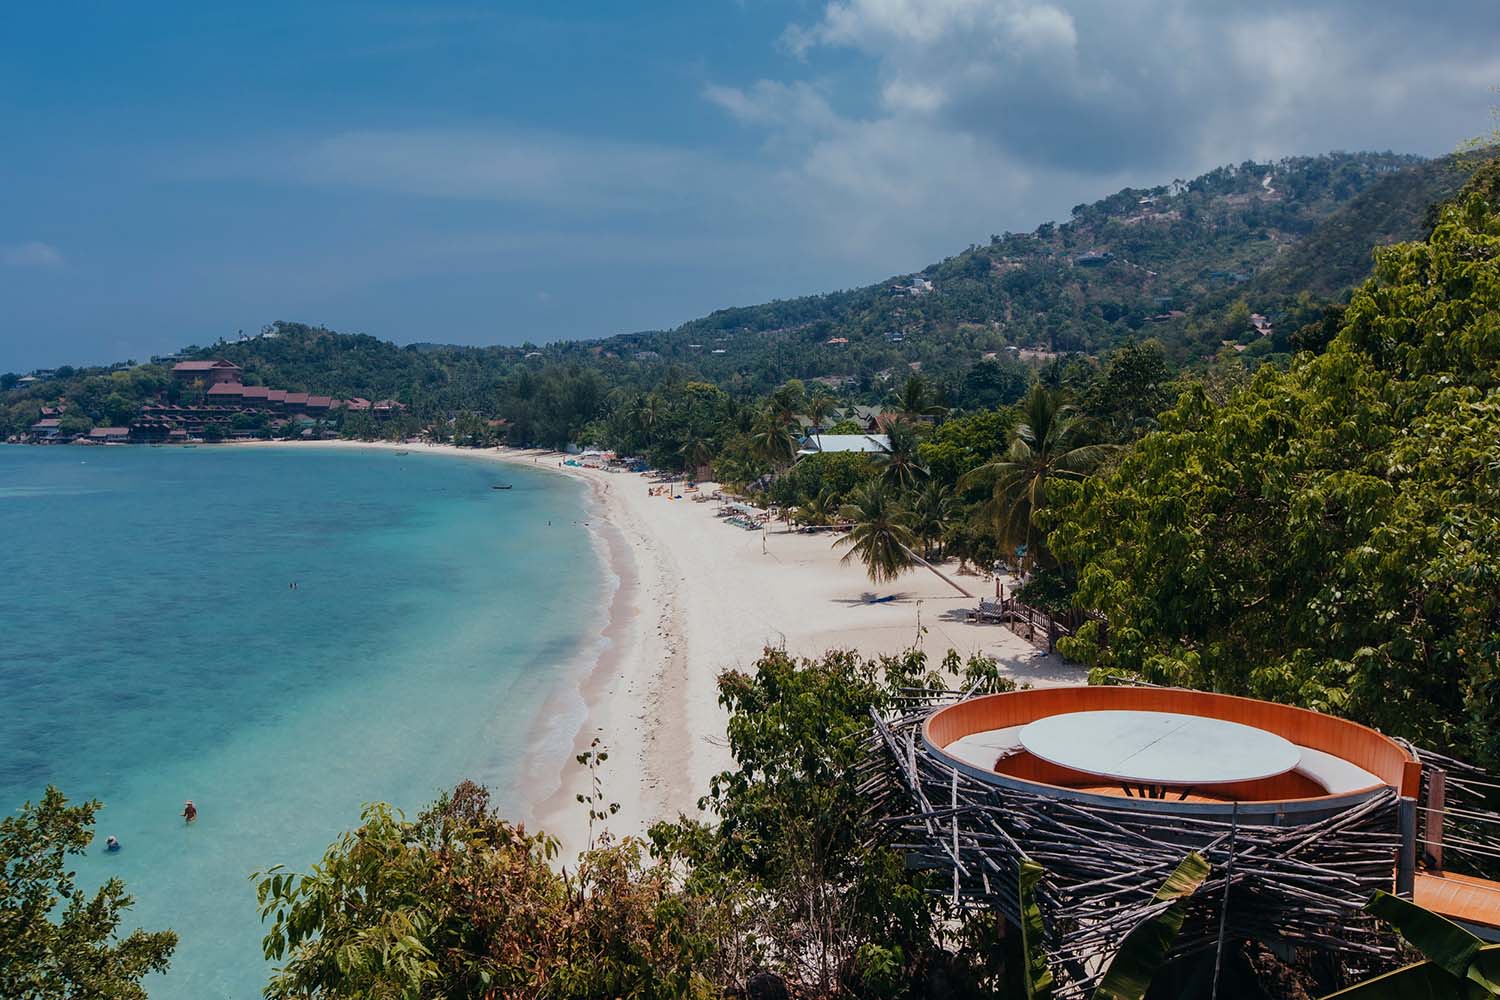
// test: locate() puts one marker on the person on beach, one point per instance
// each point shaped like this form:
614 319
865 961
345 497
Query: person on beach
111 844
190 811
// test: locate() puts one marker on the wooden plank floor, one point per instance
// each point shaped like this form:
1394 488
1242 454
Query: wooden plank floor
1459 897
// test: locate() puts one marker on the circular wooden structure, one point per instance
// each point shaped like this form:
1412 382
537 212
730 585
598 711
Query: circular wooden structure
1342 763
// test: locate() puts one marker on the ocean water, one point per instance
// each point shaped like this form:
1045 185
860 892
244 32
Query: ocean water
152 651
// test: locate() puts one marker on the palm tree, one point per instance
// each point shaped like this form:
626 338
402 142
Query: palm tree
786 401
696 453
916 399
818 509
932 513
901 467
819 408
881 537
1043 445
649 411
774 441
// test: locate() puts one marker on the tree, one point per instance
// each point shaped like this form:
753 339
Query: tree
696 453
932 514
75 952
820 407
1045 446
829 907
461 903
1327 536
774 441
818 509
882 538
1133 388
900 464
916 399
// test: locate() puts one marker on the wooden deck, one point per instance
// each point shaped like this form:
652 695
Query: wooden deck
1472 901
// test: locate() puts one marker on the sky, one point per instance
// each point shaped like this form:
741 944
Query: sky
172 173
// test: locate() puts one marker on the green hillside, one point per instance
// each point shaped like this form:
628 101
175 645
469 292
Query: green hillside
1184 263
1142 262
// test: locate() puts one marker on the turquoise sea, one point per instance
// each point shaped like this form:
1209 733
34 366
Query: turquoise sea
153 651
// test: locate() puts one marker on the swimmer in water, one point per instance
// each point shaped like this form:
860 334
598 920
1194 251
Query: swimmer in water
190 811
111 844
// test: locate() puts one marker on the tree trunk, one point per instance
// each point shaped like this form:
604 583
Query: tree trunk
937 572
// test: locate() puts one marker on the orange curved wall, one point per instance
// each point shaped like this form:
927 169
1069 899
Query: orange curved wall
1360 745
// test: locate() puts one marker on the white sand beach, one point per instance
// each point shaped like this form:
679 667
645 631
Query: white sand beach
698 596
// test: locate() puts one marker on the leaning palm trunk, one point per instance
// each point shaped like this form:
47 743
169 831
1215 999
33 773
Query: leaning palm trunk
937 572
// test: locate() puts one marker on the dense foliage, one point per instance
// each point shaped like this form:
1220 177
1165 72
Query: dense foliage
58 942
1184 263
1328 535
783 889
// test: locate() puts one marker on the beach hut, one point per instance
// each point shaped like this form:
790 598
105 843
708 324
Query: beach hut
1301 815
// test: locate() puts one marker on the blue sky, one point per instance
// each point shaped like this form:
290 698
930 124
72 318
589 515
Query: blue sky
491 173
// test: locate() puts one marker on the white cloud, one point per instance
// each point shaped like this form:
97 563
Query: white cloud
32 253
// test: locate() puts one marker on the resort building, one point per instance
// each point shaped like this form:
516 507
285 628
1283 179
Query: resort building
831 443
212 372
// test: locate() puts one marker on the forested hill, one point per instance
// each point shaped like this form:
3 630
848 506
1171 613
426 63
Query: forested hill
1186 263
1168 262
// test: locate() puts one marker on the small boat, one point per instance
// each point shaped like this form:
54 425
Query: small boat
403 453
501 486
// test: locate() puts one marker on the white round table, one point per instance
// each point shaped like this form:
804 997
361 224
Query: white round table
1153 750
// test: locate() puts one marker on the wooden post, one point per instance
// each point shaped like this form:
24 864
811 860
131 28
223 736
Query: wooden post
1432 820
954 806
1406 851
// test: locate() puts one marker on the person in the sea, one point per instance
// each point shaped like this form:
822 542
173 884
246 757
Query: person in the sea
111 844
190 811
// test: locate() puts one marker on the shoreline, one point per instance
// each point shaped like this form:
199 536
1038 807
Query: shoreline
692 596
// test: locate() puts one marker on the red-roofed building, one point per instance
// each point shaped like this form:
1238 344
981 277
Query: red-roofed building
357 403
109 434
295 399
45 429
319 404
226 392
212 372
276 396
256 393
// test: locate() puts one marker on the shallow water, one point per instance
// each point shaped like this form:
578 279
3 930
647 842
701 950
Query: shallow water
152 651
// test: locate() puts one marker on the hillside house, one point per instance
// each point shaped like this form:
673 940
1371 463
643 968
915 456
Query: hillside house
213 372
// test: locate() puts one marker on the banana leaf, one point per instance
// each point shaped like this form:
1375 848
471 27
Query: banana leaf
1440 940
1145 948
1429 981
1038 976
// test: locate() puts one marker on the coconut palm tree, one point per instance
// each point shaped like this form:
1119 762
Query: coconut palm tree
881 538
932 513
916 399
900 465
649 411
787 401
819 509
774 441
1044 444
819 408
696 453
